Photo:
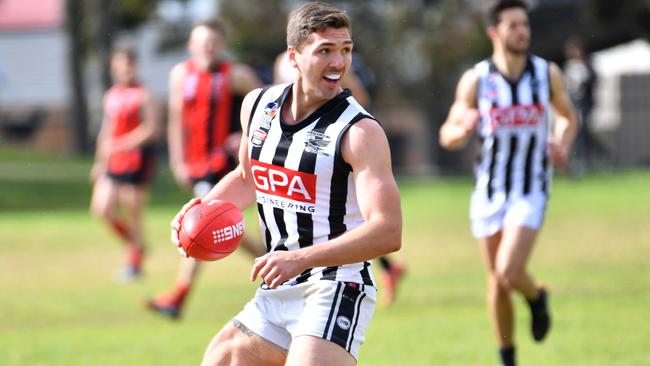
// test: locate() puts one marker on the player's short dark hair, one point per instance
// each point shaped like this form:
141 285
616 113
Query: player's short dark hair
493 14
128 52
215 25
313 17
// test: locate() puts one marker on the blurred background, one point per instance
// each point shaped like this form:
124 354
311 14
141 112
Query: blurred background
409 54
59 305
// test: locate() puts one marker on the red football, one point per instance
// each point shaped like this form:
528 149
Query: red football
211 230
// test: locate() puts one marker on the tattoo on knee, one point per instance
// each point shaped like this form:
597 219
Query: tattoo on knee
242 327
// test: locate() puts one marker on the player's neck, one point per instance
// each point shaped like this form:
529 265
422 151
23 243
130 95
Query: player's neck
202 64
511 65
299 105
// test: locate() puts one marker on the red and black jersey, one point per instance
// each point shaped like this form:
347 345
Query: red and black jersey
209 109
123 107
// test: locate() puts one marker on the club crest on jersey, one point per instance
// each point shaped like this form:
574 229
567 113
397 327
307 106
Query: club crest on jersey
258 137
270 111
316 142
490 93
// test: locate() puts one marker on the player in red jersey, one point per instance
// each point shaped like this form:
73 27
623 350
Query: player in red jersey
124 160
204 132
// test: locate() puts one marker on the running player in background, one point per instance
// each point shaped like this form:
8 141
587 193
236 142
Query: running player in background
124 159
337 209
205 95
285 73
506 99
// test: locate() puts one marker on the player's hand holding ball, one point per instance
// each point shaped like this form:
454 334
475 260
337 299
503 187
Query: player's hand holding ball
207 230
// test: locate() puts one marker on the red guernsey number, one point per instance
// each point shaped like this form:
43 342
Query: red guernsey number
283 182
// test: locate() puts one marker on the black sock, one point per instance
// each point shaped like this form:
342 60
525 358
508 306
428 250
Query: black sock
385 263
539 304
507 355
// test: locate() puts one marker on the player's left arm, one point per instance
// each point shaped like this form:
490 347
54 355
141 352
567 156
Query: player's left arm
147 131
365 148
565 127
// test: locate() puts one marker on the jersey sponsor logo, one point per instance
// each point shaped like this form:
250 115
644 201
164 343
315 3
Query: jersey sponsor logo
228 232
285 183
316 142
343 322
516 116
258 137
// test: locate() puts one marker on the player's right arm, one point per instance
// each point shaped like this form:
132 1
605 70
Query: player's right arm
175 138
463 116
101 155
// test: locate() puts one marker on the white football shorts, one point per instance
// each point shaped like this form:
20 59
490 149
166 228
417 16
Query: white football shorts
488 218
339 312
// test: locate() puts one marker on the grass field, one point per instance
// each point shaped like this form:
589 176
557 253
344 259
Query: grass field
59 306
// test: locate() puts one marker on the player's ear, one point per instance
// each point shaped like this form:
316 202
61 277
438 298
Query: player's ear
491 31
291 51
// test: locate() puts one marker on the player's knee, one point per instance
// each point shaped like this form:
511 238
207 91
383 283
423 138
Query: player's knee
496 286
101 212
509 276
223 349
220 353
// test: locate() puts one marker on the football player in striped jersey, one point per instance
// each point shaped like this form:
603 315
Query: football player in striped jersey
506 100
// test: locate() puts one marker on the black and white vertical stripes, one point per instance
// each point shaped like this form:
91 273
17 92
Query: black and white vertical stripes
344 315
513 130
305 192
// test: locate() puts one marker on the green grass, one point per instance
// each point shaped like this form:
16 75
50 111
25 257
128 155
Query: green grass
59 306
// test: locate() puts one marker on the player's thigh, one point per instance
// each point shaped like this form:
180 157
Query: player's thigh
236 345
522 221
489 249
314 351
133 197
104 197
515 248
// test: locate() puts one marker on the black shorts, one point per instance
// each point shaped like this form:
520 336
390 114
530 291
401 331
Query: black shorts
143 176
214 177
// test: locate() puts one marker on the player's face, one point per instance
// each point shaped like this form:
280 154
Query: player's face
322 62
205 44
513 31
122 69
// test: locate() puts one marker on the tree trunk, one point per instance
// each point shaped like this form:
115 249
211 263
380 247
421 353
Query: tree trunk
105 29
78 104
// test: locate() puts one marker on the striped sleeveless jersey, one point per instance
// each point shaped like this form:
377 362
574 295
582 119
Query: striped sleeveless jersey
513 131
305 192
